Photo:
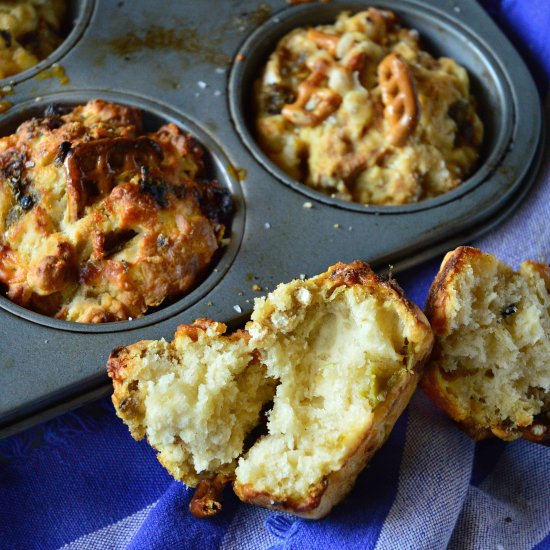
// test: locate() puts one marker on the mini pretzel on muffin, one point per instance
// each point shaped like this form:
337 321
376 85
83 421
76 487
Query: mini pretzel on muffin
357 110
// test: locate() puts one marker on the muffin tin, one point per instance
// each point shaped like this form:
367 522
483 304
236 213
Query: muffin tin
194 64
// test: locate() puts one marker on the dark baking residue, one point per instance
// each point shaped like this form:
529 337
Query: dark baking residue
216 202
182 38
253 18
6 35
62 152
156 188
463 117
13 174
52 116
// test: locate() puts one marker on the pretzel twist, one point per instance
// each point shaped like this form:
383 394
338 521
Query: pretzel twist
401 106
314 103
380 20
324 40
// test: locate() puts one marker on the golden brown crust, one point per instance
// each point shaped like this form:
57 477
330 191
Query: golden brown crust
335 485
98 221
436 303
439 305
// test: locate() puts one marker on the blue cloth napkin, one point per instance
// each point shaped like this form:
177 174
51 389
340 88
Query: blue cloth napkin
80 481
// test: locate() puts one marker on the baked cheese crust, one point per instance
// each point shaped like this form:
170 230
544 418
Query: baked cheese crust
99 221
357 110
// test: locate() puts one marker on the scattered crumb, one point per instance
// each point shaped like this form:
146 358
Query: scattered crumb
457 9
302 276
350 228
267 225
217 93
202 84
307 205
220 70
538 430
209 304
256 288
336 226
237 308
46 341
241 293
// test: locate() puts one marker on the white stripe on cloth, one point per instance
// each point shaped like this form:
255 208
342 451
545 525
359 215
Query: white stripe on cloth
247 530
433 481
113 537
511 508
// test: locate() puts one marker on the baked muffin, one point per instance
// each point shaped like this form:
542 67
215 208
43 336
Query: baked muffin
30 30
100 221
357 110
490 370
334 360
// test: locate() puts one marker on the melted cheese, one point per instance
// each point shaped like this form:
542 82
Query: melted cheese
348 154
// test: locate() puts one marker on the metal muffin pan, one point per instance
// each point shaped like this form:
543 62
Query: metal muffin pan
182 65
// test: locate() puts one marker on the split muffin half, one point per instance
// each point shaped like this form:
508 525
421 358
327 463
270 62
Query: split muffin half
490 370
326 364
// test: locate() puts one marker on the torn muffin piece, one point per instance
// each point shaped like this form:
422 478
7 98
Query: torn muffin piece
195 398
347 348
490 369
339 355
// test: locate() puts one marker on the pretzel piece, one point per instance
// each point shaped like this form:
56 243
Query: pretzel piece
381 21
314 103
206 501
401 106
324 40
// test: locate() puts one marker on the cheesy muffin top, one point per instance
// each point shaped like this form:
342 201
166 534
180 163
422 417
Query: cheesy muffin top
100 221
357 110
30 30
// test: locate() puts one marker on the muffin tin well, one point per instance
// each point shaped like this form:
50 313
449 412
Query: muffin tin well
217 165
179 64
